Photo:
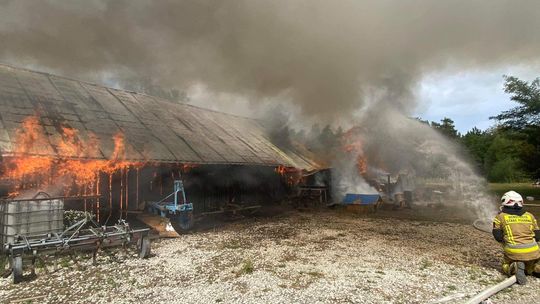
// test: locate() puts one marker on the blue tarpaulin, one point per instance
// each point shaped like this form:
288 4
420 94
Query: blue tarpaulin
360 199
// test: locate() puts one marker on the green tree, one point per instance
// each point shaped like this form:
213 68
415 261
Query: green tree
506 170
527 95
477 143
420 120
523 121
503 159
446 127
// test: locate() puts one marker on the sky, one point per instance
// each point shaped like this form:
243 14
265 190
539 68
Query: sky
468 97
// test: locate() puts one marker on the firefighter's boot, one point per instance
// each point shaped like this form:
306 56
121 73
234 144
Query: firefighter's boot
519 271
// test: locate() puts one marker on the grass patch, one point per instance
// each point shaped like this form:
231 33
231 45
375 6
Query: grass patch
425 264
39 264
506 290
473 274
112 282
289 256
525 189
315 274
64 262
247 268
451 287
329 238
234 244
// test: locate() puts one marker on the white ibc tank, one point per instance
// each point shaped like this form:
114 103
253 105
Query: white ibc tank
30 218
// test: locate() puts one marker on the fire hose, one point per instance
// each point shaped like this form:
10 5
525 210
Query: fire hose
482 226
486 293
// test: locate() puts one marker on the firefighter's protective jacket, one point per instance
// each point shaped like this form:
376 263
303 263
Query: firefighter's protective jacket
518 232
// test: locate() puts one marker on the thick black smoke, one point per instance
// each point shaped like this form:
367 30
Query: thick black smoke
324 56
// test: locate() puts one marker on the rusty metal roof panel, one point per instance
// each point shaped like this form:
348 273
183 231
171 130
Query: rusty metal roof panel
154 129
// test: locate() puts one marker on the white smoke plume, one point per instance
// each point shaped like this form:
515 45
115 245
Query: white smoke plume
400 144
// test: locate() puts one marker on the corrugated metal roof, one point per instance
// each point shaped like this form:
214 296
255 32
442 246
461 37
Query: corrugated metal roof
154 129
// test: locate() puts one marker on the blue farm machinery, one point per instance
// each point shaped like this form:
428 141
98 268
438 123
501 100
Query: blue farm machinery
179 210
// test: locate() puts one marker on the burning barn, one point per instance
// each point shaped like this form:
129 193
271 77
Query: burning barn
111 151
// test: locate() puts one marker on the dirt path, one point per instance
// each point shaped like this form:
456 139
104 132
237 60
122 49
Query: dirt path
314 257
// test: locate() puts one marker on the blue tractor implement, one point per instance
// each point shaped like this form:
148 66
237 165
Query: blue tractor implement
179 211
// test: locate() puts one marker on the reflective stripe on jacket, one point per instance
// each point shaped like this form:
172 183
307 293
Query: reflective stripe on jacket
521 248
518 231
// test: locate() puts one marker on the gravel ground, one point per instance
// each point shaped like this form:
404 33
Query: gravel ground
308 257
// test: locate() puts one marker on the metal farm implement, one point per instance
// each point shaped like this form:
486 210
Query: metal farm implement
85 235
180 212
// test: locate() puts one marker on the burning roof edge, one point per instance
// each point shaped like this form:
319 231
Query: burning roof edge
155 130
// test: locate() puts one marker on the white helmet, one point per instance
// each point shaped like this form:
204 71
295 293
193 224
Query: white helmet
510 198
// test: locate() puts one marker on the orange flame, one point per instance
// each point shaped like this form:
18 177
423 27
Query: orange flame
281 170
291 175
31 167
185 168
354 146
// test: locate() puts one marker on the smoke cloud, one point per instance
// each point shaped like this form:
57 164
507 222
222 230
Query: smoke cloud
345 62
323 56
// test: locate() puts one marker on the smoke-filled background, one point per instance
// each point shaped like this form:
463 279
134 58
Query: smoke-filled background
340 62
323 56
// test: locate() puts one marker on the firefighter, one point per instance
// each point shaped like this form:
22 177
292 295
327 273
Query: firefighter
518 232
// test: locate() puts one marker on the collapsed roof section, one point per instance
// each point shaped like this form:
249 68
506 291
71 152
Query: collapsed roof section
154 129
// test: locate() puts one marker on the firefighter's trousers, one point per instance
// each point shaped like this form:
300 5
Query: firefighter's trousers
531 267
